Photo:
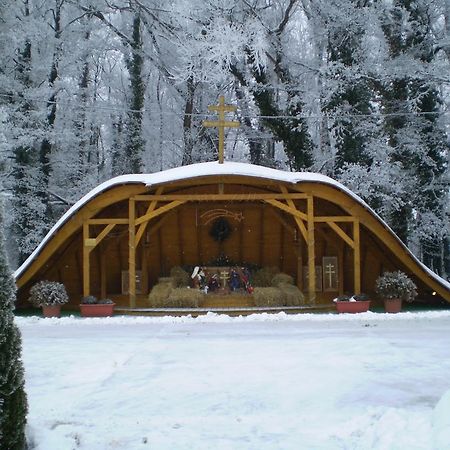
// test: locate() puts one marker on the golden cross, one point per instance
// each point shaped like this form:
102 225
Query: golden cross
221 124
224 277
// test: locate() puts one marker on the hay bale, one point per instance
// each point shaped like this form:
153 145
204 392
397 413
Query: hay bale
268 296
165 280
292 294
282 278
263 277
180 278
159 294
184 298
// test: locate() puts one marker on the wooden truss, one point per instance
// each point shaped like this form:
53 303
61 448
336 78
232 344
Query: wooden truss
160 203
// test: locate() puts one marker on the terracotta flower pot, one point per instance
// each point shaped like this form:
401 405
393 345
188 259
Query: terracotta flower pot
352 307
51 310
97 310
392 305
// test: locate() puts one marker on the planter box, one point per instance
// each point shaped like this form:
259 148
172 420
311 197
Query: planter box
352 307
51 310
97 310
392 305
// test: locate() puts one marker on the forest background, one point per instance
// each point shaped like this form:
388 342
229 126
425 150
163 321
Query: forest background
354 89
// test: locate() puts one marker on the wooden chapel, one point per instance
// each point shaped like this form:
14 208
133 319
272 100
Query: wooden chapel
121 237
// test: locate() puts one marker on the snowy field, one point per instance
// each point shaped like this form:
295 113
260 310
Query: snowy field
269 382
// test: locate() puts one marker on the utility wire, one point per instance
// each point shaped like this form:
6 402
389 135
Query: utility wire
208 115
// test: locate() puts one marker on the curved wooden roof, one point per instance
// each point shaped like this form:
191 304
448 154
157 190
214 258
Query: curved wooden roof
125 186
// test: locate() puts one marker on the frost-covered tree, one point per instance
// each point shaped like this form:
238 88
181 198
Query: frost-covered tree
351 88
415 131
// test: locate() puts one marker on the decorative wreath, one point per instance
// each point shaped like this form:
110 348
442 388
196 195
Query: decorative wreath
220 229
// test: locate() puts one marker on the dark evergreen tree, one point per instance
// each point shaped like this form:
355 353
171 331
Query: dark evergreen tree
353 95
13 401
135 143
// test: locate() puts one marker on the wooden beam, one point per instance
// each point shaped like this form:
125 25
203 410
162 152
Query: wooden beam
281 234
241 238
132 253
144 269
103 273
261 237
104 233
311 252
180 238
198 232
334 219
341 249
299 222
86 266
106 221
357 257
293 211
342 234
143 226
251 196
89 242
157 212
300 270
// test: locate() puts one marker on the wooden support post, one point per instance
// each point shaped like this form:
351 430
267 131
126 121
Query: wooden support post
261 237
311 252
132 252
357 257
103 294
341 249
281 234
86 265
144 269
300 271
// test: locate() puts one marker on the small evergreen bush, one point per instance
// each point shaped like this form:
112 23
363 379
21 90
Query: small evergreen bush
48 293
105 301
359 298
342 298
89 300
396 285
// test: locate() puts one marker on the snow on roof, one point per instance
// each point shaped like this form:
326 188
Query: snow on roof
203 170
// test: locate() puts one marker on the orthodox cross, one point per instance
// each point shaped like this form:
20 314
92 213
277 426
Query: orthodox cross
224 277
330 272
221 124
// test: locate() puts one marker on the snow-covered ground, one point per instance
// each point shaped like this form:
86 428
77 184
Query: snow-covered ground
268 382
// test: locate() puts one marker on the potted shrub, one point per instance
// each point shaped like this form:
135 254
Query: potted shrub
394 288
91 307
354 304
49 295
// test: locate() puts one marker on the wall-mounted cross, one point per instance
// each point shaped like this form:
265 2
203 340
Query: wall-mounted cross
221 124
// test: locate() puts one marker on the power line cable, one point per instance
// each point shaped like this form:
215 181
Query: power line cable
245 116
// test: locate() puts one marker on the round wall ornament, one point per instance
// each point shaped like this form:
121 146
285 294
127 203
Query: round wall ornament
220 229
